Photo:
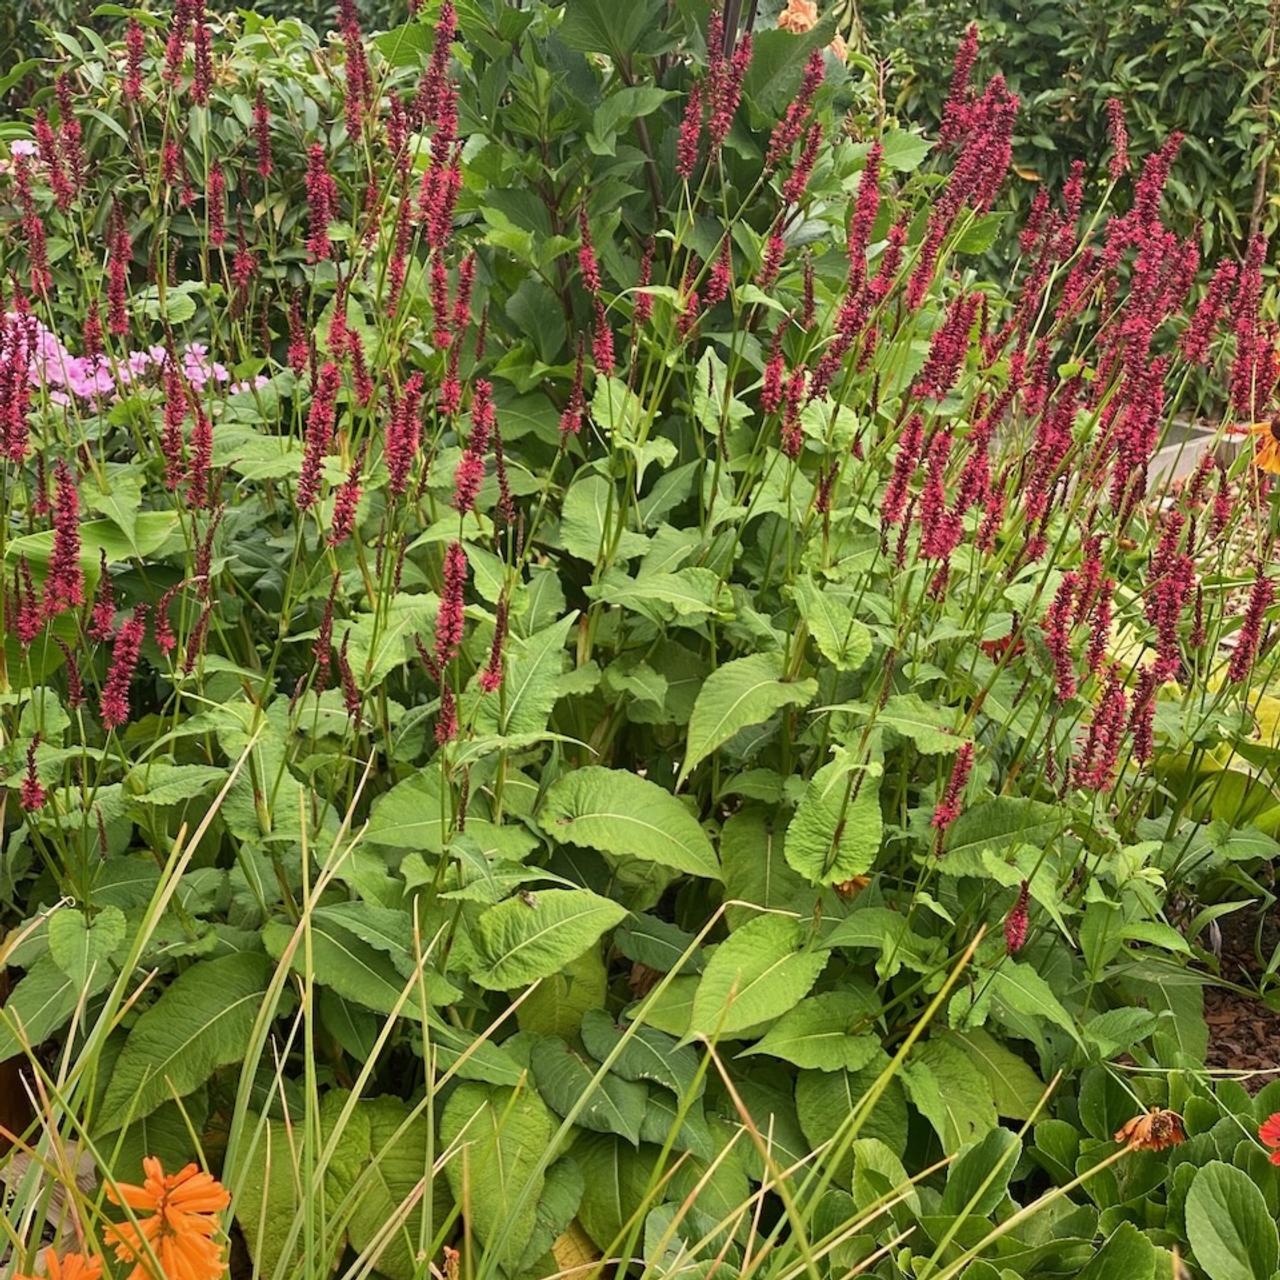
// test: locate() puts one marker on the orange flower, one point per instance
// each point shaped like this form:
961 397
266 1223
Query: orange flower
838 49
1153 1131
184 1208
71 1266
798 17
1266 449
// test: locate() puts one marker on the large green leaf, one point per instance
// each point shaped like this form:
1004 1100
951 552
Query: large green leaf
1127 1253
835 834
530 686
1004 823
42 1002
761 970
1232 1233
201 1022
566 1079
535 935
950 1092
743 692
80 947
354 969
977 1181
621 813
648 1054
754 867
840 637
1015 1087
825 1032
389 1188
498 1137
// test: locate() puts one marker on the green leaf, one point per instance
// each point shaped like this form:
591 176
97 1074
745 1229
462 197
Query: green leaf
835 835
619 812
354 969
535 312
201 1022
826 1032
777 63
599 26
648 1054
380 642
950 1093
531 684
502 1134
1003 824
931 728
41 1003
615 1184
557 1006
1023 990
743 692
758 973
1232 1234
1127 1253
659 944
1014 1086
166 784
620 108
904 151
755 870
532 937
841 639
587 517
977 1181
565 1078
388 1186
79 948
825 1099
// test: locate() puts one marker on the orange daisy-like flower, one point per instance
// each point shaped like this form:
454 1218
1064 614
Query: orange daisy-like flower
179 1233
1154 1131
71 1266
1266 447
799 16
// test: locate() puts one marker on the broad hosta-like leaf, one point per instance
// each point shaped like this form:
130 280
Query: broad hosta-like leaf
387 1188
80 947
835 833
743 692
826 1032
840 637
615 1183
383 641
648 1054
530 686
1015 1087
533 936
754 867
497 1136
976 1182
1127 1253
566 1078
621 813
824 1100
1232 1233
42 1002
950 1092
200 1023
759 972
354 969
1004 823
929 727
1023 990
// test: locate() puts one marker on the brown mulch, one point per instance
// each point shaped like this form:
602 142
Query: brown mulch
1244 1033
